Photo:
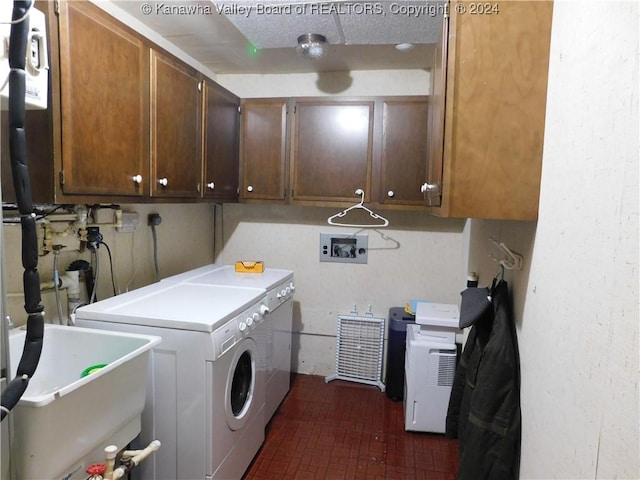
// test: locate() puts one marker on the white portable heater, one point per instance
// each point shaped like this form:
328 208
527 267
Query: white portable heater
430 366
359 347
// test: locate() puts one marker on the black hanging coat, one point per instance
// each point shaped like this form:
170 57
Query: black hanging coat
484 408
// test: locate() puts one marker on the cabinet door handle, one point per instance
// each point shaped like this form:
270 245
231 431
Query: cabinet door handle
430 188
211 185
164 181
250 188
137 179
391 194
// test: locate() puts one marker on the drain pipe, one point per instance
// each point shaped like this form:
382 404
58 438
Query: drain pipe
130 459
70 282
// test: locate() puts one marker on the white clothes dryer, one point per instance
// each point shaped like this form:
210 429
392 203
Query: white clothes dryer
279 287
205 388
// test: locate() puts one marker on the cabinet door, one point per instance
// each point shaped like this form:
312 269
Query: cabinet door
432 189
221 143
495 110
263 149
176 128
104 78
404 150
332 149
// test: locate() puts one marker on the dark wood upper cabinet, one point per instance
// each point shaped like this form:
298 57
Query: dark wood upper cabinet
39 144
332 149
263 149
125 121
221 143
104 70
404 150
494 113
337 146
176 128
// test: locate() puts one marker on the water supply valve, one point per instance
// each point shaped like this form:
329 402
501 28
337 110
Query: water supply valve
96 471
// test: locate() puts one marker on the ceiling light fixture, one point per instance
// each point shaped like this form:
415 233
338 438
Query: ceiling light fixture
311 45
404 47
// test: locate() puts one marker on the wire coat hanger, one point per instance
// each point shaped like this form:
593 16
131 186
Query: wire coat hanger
358 206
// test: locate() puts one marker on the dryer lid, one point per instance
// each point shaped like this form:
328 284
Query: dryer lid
177 306
226 275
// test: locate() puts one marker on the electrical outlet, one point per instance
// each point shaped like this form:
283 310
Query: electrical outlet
129 222
154 219
93 234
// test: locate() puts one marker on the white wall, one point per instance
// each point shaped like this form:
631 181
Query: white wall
576 300
184 239
366 83
416 257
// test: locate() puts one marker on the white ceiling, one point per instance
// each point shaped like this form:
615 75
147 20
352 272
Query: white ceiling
249 36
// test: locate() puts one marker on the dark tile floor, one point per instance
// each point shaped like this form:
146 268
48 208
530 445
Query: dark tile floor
346 430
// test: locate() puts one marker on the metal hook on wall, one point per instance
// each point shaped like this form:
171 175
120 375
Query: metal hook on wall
510 260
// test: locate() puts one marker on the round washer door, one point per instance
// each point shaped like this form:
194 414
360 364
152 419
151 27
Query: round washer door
240 401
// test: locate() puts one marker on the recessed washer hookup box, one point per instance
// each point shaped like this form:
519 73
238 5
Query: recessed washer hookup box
344 248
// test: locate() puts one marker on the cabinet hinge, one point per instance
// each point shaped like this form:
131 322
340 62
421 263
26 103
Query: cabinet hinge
200 86
61 177
447 6
239 110
56 7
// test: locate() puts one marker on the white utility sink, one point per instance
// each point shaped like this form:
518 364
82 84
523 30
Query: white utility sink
63 417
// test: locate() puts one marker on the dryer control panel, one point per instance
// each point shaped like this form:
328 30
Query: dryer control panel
278 295
226 336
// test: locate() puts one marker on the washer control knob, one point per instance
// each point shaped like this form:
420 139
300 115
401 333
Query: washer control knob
242 326
255 317
288 290
283 293
292 287
264 309
249 321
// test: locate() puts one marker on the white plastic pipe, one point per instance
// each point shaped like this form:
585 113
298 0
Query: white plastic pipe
110 453
135 458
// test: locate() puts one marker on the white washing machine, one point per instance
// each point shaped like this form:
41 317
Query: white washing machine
205 389
279 287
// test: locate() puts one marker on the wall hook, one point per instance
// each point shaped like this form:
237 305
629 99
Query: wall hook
510 260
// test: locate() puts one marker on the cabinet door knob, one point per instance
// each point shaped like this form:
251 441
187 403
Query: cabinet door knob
164 181
430 188
137 179
211 185
250 188
391 194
